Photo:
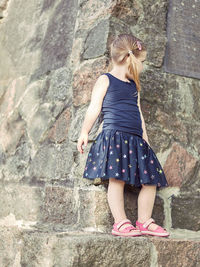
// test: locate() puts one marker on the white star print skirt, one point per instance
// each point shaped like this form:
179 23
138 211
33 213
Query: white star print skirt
124 156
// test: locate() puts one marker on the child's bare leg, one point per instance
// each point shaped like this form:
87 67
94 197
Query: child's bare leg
115 196
146 201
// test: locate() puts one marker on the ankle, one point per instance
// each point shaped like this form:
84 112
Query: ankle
142 220
117 220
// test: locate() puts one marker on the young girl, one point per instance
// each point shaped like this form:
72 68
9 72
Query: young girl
121 151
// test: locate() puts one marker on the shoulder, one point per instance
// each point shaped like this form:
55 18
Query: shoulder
104 78
101 86
102 82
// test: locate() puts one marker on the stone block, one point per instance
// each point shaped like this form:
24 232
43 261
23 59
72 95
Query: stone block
177 252
39 124
12 128
11 245
25 247
59 206
94 210
59 131
87 250
179 165
22 201
23 204
84 81
96 41
52 163
175 126
185 211
59 85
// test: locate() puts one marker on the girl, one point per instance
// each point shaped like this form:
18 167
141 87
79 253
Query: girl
121 151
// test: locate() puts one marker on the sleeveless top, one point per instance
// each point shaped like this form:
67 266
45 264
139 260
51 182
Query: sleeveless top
119 108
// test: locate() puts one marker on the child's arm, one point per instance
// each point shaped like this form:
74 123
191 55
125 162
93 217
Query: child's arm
94 108
143 122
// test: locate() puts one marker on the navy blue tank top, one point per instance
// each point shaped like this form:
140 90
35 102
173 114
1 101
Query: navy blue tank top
119 108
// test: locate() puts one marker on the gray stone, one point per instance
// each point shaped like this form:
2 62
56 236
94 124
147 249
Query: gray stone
40 123
57 42
153 15
94 210
52 162
95 44
15 166
185 209
28 247
2 156
60 86
185 60
59 206
11 245
46 37
21 201
177 252
193 184
31 99
85 250
12 129
48 67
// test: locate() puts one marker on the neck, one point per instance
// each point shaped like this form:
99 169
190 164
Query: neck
120 71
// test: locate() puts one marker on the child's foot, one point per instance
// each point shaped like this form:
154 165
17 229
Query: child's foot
151 228
125 228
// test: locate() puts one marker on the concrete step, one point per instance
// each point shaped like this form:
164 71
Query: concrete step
44 247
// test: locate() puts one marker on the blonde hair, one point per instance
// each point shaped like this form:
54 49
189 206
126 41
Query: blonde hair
119 51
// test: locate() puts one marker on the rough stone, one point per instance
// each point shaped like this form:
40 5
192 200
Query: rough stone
52 162
179 165
154 14
94 210
95 44
49 65
40 123
22 201
180 253
28 247
60 86
11 245
193 136
12 131
175 126
84 81
59 131
183 35
185 208
59 206
15 166
192 184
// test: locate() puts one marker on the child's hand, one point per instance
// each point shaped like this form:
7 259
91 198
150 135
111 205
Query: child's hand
83 139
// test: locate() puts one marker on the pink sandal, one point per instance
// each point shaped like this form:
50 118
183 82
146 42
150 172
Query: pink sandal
143 227
127 230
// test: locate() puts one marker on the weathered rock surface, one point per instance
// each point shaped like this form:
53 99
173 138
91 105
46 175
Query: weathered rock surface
51 55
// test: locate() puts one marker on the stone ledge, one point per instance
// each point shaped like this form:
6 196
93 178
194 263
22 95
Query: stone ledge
25 247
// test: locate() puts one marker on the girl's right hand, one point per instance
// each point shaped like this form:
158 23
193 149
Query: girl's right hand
83 139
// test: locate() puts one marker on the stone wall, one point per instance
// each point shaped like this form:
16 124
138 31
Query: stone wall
51 55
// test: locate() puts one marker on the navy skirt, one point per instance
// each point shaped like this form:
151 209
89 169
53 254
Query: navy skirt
124 156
